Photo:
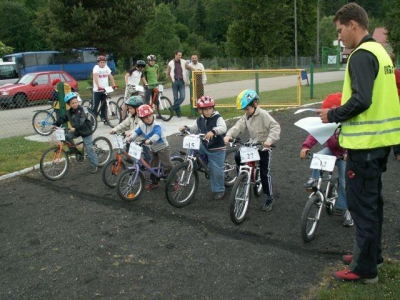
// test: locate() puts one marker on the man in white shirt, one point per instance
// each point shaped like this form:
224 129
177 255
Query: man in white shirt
201 78
101 74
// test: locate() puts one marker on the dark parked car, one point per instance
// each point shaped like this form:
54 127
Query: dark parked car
33 87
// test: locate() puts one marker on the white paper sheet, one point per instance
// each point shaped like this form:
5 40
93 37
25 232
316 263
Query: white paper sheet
321 131
305 109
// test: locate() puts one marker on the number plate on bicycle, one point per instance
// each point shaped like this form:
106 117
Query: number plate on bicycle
60 134
139 88
135 150
160 88
249 154
109 89
323 162
191 142
118 142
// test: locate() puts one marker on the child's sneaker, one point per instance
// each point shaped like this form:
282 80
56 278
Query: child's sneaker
348 258
268 204
310 183
349 275
152 186
348 220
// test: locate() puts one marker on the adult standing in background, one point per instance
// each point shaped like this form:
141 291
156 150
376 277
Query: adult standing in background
370 125
201 78
177 73
101 75
150 75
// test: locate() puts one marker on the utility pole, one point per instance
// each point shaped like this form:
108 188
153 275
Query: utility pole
295 34
317 56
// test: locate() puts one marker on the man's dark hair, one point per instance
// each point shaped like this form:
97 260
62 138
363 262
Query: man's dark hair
178 51
352 12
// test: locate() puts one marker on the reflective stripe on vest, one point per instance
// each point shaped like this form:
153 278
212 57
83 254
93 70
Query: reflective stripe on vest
379 125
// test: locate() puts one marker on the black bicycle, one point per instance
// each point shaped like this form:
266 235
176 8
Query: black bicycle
113 112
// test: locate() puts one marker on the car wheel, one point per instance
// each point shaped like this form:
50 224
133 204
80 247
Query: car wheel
20 100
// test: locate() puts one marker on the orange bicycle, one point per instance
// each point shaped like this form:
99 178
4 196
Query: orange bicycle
162 103
54 162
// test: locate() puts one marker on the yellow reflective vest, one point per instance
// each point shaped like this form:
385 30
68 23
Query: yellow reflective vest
379 125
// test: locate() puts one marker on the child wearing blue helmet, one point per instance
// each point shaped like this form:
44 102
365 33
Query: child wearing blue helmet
80 126
262 128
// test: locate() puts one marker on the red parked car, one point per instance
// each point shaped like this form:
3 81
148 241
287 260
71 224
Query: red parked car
33 87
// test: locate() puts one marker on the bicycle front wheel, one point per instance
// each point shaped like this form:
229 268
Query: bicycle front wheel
120 101
54 163
43 121
240 199
113 115
181 185
90 115
111 171
310 218
130 185
87 104
230 167
103 149
164 108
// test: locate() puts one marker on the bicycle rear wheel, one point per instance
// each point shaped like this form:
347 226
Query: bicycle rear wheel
120 101
103 149
111 171
230 167
87 104
113 115
240 199
181 185
310 218
130 185
332 196
43 121
164 108
54 163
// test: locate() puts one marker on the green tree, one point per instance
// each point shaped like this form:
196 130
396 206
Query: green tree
160 36
108 25
5 49
17 26
259 28
218 20
392 21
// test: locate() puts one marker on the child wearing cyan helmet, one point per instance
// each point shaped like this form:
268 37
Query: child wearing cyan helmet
80 126
332 148
213 126
262 128
156 139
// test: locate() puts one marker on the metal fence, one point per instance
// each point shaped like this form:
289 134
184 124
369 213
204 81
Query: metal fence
225 85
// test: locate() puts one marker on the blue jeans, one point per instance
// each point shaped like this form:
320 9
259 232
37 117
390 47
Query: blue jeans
178 90
88 142
341 166
216 162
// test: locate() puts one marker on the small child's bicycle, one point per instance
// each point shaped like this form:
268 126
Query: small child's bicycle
54 162
249 176
183 181
323 194
131 182
115 166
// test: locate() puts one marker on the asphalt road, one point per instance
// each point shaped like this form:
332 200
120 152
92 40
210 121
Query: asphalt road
17 122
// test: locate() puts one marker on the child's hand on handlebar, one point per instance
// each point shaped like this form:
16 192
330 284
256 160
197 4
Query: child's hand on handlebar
303 152
227 139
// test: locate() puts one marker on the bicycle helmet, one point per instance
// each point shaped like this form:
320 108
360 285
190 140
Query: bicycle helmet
140 63
101 58
205 101
151 57
144 111
70 96
245 98
134 101
332 100
55 81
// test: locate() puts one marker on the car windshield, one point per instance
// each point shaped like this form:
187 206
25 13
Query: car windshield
26 79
